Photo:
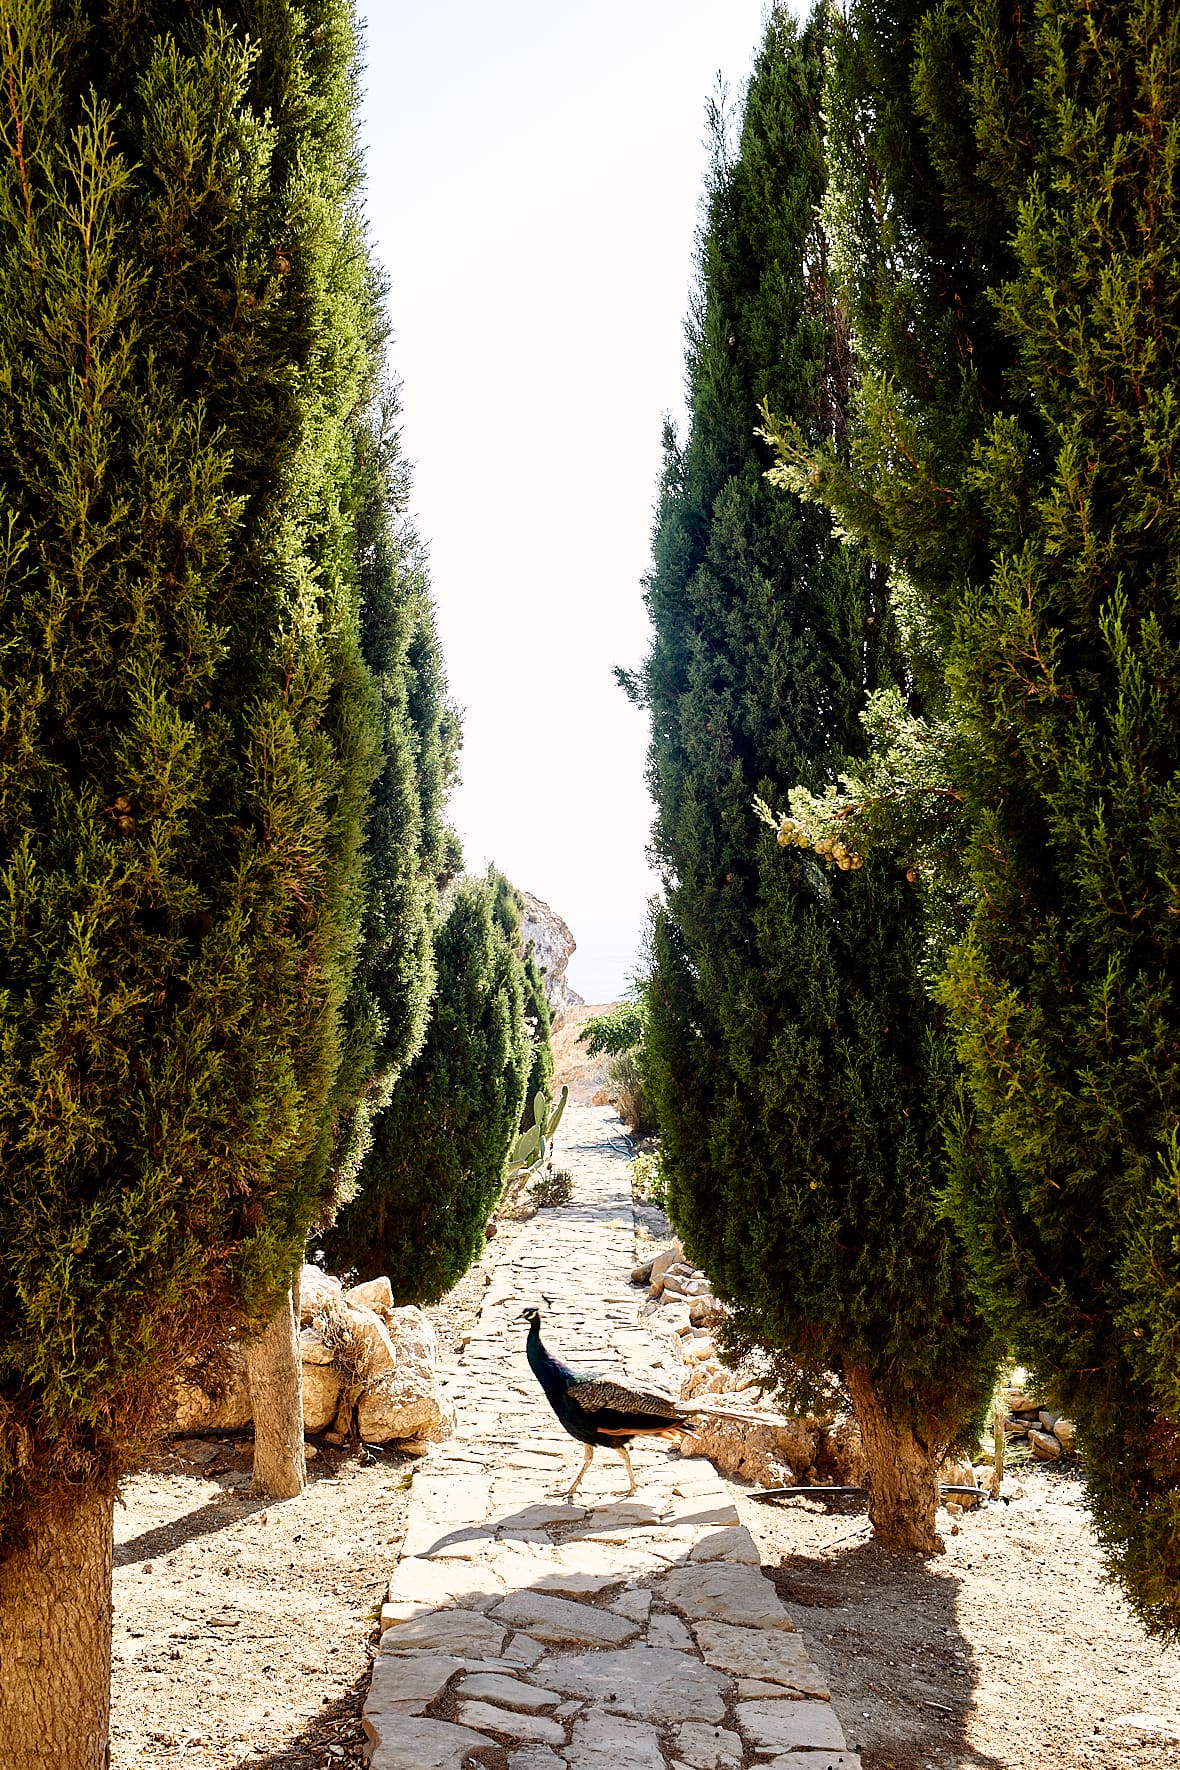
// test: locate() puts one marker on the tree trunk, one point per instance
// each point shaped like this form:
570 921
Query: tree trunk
276 1401
902 1472
55 1636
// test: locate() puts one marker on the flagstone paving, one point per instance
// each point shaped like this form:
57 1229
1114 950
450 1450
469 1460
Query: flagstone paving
526 1633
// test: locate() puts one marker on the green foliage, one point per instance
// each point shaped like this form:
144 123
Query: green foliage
798 1068
437 1164
187 725
613 1032
1006 200
648 1179
531 1148
407 853
627 1076
536 1010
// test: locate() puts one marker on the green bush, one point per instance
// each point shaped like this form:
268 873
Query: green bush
613 1032
437 1164
626 1075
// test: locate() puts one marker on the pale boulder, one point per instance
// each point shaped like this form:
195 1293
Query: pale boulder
316 1288
322 1382
404 1400
374 1293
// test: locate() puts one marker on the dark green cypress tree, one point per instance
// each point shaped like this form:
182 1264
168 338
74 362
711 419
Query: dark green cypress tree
409 851
436 1168
1011 232
798 1069
187 730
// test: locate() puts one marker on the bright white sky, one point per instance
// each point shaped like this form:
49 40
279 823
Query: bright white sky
534 172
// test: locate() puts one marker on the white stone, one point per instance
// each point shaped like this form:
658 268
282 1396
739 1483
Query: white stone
636 1604
509 1693
410 1743
766 1654
467 1584
669 1631
409 1684
709 1748
607 1742
321 1382
405 1399
558 1619
316 1289
790 1725
374 1293
728 1545
464 1633
724 1593
815 1761
523 1651
651 1683
537 1729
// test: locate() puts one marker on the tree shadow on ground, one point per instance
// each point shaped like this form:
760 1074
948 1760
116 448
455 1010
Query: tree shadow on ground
226 1509
883 1629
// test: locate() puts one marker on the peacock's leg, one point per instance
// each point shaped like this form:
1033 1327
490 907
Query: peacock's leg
570 1491
622 1450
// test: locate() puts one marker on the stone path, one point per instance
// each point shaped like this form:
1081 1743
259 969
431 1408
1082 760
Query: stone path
527 1633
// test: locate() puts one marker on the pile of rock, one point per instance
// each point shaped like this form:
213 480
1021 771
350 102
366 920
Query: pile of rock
764 1446
1028 1417
361 1357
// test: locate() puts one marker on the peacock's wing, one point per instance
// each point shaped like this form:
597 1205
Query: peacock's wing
601 1396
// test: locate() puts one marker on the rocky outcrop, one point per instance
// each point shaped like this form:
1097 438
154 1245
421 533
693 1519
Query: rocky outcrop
357 1353
554 946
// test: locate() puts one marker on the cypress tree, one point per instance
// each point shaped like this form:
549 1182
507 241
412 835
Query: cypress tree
187 730
409 850
436 1167
798 1069
1023 178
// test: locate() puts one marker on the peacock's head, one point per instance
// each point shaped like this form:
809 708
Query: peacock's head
532 1315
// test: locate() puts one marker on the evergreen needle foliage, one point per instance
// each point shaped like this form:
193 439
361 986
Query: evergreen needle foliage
436 1168
1007 203
799 1070
187 725
410 852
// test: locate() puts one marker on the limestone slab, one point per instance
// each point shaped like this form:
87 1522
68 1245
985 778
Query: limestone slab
523 1651
470 1585
535 1757
559 1619
720 1592
815 1761
608 1742
635 1603
651 1683
409 1684
668 1631
510 1693
790 1726
411 1743
724 1545
534 1729
709 1748
464 1633
768 1655
452 1499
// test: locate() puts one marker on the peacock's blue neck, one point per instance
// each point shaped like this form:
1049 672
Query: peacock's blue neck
552 1376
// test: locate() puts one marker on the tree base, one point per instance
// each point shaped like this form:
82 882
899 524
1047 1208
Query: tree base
902 1473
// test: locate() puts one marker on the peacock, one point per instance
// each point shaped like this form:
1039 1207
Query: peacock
597 1410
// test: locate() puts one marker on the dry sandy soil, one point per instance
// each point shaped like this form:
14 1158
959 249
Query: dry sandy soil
244 1631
